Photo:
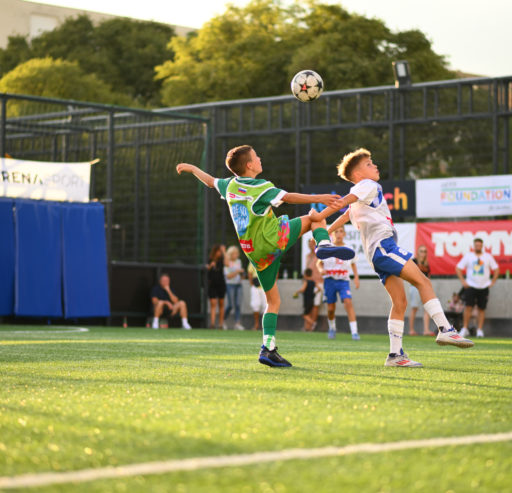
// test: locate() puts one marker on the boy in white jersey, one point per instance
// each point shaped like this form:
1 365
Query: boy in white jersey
337 282
369 213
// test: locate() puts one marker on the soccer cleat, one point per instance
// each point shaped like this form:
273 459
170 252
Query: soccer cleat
272 358
329 250
480 333
401 360
355 337
331 334
452 338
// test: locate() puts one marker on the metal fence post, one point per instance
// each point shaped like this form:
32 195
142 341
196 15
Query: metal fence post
3 122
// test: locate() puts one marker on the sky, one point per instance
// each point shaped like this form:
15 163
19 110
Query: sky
474 35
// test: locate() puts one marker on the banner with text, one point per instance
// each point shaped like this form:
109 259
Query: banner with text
46 181
406 240
464 197
447 242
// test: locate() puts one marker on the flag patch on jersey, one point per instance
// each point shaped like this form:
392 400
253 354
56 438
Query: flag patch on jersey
242 190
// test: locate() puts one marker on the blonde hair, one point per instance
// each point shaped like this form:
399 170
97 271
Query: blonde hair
350 161
231 250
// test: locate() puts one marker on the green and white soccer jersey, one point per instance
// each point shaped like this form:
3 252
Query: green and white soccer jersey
263 236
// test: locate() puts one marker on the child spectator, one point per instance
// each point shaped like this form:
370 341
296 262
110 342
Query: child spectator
232 273
308 289
337 281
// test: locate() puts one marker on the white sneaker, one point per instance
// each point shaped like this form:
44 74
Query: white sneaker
186 326
239 326
224 326
480 333
451 337
401 360
464 332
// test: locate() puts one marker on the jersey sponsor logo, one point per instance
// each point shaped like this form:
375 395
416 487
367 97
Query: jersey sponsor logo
234 196
240 218
247 246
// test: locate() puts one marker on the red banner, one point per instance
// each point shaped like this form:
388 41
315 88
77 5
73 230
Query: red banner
447 242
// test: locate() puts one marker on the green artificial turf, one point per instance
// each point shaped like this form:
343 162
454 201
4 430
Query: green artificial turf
111 396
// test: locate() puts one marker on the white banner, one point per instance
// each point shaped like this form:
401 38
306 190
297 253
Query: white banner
406 240
47 181
464 197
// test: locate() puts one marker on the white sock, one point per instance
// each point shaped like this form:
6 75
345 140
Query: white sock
353 327
332 324
155 323
323 242
184 322
396 332
269 341
435 310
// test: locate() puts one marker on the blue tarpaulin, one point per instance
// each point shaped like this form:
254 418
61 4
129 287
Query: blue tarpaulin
53 260
6 257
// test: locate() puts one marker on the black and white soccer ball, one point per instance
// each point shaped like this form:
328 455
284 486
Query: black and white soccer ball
307 85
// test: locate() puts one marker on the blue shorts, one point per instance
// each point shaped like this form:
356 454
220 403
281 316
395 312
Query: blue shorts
333 286
389 259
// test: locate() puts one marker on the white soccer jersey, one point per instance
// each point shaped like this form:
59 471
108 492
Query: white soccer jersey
478 269
337 269
370 215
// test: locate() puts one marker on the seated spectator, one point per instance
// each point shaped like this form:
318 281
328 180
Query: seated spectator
162 298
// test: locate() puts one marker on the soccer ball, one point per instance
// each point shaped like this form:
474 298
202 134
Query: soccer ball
307 85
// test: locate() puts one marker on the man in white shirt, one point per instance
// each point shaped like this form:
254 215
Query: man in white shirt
478 266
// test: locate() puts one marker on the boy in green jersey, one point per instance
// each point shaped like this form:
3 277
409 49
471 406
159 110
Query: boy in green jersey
263 236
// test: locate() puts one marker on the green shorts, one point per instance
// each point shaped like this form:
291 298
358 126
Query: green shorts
269 275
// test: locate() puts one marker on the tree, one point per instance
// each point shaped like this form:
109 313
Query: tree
121 52
254 51
56 78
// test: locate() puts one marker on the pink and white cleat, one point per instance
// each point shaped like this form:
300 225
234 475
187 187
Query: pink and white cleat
450 337
401 360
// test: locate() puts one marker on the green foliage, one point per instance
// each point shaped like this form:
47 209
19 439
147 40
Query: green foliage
55 78
122 53
255 50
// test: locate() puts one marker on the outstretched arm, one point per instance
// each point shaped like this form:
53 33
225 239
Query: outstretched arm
332 208
327 199
207 179
343 219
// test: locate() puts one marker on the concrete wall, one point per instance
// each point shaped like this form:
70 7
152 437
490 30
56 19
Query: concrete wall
372 305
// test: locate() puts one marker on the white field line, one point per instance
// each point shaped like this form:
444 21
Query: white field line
194 464
61 330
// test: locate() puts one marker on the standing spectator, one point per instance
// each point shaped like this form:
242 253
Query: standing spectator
478 266
216 283
308 290
312 263
258 298
233 274
162 298
414 295
336 278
